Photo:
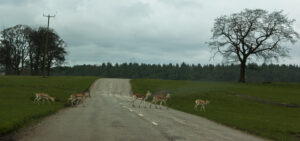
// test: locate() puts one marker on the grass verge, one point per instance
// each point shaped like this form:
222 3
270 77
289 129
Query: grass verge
17 93
262 119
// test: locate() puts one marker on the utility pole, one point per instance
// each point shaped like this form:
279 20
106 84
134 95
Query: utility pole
46 46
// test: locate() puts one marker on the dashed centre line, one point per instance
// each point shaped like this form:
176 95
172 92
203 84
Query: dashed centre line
154 123
139 114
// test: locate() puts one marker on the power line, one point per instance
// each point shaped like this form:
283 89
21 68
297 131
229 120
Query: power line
46 45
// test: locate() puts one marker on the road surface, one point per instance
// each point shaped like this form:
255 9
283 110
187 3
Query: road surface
109 116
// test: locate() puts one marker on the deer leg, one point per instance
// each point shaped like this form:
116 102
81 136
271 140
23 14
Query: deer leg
160 103
75 102
202 107
155 104
72 101
151 103
166 104
38 100
133 102
83 101
145 103
34 101
140 103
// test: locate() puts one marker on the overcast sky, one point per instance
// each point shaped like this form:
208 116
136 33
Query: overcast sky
143 31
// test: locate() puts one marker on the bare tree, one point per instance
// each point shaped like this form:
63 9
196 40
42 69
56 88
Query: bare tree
252 34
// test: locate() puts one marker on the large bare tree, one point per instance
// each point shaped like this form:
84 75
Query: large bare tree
252 34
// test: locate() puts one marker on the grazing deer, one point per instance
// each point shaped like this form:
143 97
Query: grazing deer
160 98
202 103
43 96
142 97
78 97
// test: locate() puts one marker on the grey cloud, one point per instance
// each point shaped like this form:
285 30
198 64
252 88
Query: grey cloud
15 2
150 31
183 3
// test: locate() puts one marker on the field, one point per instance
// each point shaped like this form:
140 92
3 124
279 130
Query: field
267 110
17 93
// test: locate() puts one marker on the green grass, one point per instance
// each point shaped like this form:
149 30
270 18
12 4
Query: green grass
17 93
269 121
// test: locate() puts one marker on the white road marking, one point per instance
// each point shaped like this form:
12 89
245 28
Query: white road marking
154 123
178 120
141 115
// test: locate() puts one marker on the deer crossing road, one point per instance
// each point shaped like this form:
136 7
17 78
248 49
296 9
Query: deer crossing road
109 116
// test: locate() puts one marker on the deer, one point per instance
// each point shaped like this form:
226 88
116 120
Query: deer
161 98
142 97
201 102
43 96
77 97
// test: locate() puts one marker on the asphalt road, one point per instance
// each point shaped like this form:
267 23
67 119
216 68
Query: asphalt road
109 116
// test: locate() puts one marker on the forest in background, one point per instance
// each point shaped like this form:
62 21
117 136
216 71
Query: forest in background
254 73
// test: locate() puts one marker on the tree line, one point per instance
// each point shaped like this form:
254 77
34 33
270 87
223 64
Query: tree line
254 72
22 50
